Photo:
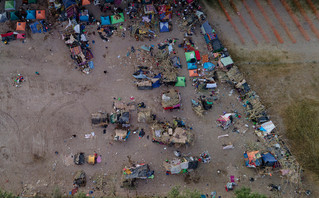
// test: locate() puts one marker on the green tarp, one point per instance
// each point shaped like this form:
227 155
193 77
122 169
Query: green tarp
226 61
32 1
189 56
13 16
115 19
181 82
9 5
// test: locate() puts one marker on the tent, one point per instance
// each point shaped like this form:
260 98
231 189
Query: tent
9 5
193 73
119 18
13 16
84 16
209 66
37 27
105 20
30 15
268 159
68 3
86 2
191 66
226 61
217 45
189 55
252 159
40 14
21 26
3 17
164 27
32 1
181 82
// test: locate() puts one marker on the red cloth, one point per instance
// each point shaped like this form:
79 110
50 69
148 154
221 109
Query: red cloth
197 54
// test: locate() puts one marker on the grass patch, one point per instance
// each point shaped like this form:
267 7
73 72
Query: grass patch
302 123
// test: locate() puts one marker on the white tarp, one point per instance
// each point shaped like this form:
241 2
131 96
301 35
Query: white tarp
267 127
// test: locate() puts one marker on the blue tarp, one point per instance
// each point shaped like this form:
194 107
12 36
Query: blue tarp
209 66
105 20
207 28
3 17
31 15
68 3
84 16
268 159
158 82
37 27
191 66
164 27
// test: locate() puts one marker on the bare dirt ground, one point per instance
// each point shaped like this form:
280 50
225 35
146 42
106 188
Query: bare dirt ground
40 117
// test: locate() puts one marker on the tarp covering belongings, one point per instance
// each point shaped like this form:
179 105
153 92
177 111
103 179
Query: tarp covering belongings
267 127
253 159
201 105
206 28
84 16
225 120
209 66
181 165
86 2
13 16
181 82
171 99
268 159
227 61
189 56
176 62
216 45
193 73
191 66
118 18
176 133
138 171
37 27
21 26
105 20
164 27
9 5
31 15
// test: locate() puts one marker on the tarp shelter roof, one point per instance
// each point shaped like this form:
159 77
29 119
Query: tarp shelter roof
149 9
217 45
193 73
268 159
191 66
105 20
21 26
36 27
206 28
84 15
3 17
32 1
140 171
181 82
86 2
209 66
189 56
31 15
40 14
117 18
267 127
252 159
164 27
226 61
9 5
13 16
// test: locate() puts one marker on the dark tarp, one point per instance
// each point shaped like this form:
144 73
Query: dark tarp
268 159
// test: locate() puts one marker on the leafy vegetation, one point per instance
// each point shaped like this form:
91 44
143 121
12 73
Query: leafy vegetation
246 193
176 193
302 122
4 194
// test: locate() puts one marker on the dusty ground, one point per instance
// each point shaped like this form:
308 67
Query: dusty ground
40 117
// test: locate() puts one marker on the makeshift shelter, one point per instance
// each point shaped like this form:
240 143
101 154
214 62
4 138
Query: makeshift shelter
13 16
189 56
177 166
21 26
121 134
3 17
79 179
147 1
9 5
31 15
252 159
267 127
226 61
84 16
68 3
225 120
118 18
206 28
138 171
105 20
7 37
193 73
79 158
86 2
40 14
164 27
268 159
191 66
32 1
149 9
171 99
181 82
216 45
36 27
100 119
144 115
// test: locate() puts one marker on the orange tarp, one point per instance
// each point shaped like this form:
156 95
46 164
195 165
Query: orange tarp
40 14
205 58
21 26
193 72
86 2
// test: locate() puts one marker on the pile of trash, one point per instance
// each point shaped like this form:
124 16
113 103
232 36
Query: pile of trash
134 172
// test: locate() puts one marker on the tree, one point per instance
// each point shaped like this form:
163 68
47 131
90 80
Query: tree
245 192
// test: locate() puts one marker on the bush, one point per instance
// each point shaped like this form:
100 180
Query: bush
246 193
4 194
176 193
